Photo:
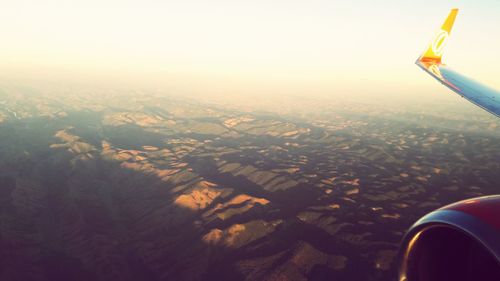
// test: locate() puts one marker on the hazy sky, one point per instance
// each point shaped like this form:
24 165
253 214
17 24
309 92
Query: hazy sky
270 46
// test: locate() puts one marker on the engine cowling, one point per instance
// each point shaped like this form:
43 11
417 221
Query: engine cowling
459 242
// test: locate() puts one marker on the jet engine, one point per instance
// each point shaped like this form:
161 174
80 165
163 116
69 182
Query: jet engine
459 242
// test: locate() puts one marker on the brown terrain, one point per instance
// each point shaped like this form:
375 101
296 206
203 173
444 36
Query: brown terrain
140 187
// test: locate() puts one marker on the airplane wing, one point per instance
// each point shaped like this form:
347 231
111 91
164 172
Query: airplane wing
430 62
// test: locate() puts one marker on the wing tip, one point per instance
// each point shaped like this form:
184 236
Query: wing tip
435 49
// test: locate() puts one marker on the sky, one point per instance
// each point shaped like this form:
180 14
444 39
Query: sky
265 47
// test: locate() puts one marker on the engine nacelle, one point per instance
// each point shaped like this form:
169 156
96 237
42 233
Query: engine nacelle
459 242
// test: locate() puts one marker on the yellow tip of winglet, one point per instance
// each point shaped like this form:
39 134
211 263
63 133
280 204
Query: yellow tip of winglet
436 48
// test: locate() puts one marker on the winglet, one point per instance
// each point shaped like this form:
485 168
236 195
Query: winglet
436 48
